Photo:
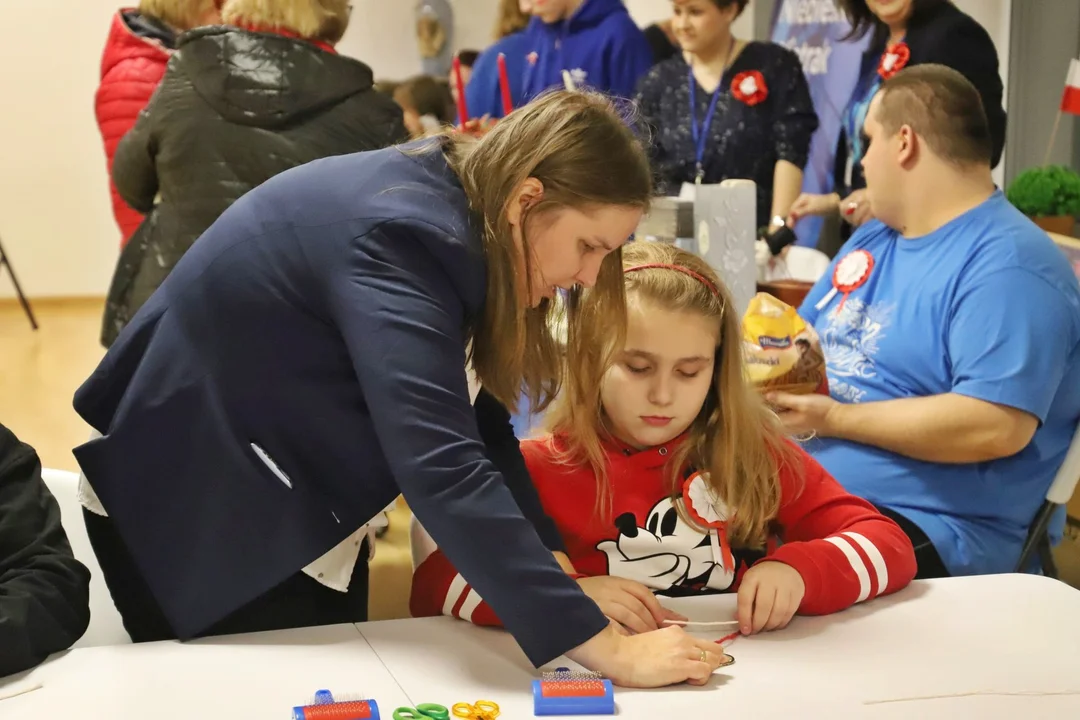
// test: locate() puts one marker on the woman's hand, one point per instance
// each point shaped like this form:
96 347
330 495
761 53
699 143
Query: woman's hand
809 204
654 659
628 603
769 596
855 208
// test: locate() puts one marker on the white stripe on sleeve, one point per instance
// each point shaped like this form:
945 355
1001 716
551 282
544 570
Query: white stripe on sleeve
457 587
856 564
469 606
880 568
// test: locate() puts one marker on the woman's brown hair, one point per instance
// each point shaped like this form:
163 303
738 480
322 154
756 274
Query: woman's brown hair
585 155
180 15
324 20
863 19
511 20
735 437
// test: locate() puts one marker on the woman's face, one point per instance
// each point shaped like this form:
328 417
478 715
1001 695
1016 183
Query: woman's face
699 25
525 6
550 10
890 12
567 245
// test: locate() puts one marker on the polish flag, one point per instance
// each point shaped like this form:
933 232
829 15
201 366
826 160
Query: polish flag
1070 101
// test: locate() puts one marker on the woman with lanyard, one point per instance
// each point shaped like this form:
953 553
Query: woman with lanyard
905 33
728 109
318 351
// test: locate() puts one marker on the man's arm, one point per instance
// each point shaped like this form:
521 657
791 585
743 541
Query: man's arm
948 428
1008 338
44 590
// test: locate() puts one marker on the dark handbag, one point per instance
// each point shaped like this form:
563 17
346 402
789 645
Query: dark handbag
118 306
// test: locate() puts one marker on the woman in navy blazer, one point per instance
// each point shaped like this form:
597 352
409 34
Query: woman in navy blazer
306 361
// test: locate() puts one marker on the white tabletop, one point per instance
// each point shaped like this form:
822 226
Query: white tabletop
996 646
261 677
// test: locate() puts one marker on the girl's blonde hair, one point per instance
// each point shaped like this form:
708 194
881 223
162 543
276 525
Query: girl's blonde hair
324 20
735 437
586 156
177 14
511 19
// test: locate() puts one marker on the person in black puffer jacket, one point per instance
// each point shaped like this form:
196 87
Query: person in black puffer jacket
238 104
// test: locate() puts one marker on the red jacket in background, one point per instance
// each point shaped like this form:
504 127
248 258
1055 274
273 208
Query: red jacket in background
132 65
844 549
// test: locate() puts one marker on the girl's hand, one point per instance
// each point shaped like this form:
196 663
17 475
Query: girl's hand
653 659
628 603
809 204
769 596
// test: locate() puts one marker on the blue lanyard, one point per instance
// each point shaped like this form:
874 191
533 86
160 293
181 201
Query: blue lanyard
700 135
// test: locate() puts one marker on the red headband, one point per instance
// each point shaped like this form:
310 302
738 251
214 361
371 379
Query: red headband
677 268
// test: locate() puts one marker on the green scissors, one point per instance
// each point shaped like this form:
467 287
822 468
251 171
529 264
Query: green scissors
426 711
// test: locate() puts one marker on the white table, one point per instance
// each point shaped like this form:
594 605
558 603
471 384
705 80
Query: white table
1014 635
260 676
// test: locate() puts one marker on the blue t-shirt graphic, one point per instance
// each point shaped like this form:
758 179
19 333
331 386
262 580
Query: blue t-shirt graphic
987 307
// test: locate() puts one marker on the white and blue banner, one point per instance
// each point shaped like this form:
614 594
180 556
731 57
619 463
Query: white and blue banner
815 31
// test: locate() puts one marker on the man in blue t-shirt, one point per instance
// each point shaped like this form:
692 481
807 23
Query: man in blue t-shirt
954 360
595 41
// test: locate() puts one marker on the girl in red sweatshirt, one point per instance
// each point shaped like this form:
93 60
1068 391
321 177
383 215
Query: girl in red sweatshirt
669 473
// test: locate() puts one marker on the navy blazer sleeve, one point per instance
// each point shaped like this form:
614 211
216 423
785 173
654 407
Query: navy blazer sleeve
504 449
403 323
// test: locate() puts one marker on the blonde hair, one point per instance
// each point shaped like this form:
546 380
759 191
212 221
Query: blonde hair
511 19
324 20
177 14
735 437
585 155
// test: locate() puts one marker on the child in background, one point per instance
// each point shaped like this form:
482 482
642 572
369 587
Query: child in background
595 41
669 473
426 103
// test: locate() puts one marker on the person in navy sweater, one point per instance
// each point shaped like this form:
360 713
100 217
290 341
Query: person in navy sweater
317 352
595 41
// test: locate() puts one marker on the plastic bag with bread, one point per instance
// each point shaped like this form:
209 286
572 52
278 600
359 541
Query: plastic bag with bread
782 352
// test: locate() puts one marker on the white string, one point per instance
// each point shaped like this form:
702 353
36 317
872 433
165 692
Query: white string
974 693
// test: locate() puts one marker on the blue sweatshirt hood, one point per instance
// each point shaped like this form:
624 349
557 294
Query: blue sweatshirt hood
600 45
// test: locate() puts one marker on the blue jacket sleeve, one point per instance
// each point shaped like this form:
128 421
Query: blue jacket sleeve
504 449
482 92
403 322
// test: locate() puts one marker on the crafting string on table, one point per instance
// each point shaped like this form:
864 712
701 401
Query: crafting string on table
850 274
701 134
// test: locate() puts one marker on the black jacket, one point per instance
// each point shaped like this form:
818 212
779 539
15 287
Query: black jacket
44 590
234 108
946 36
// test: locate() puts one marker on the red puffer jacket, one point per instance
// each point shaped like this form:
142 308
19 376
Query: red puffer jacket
132 65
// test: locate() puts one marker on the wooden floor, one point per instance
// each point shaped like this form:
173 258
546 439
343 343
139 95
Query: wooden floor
40 371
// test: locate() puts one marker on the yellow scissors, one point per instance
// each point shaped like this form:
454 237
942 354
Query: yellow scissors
482 710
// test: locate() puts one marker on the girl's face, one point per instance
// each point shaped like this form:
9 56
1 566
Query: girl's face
567 245
890 12
661 379
699 25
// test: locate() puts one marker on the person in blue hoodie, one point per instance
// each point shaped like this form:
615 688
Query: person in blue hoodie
483 94
595 41
326 345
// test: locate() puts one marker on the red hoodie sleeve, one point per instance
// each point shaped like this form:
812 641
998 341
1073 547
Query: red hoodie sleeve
845 550
438 589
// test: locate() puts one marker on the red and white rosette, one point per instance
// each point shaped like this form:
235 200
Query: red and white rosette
749 87
850 274
894 59
707 509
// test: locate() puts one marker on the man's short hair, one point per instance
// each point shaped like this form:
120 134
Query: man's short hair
943 108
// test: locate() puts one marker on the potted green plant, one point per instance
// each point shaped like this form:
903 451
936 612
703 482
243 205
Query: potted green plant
1049 195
